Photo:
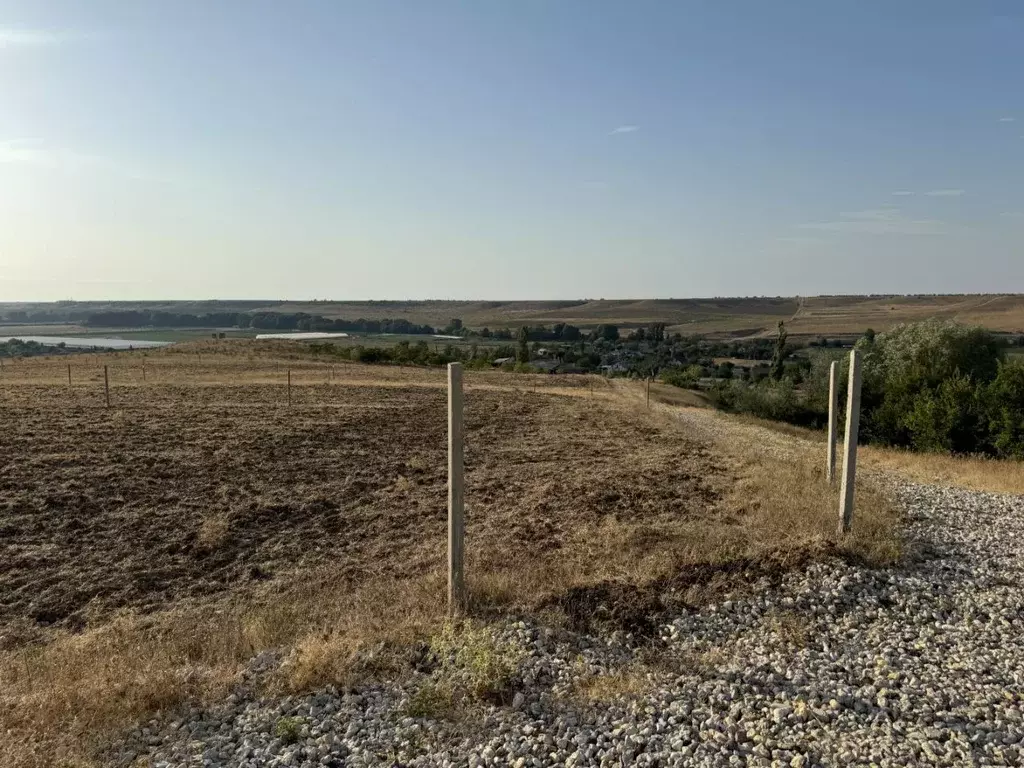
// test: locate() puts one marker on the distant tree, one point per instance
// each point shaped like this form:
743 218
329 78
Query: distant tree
779 358
606 332
571 333
523 353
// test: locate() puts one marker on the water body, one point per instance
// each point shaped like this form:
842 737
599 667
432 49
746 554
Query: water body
302 335
88 342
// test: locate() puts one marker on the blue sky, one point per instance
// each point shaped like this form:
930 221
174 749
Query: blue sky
504 150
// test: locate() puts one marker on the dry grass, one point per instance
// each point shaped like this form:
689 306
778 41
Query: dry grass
62 702
213 531
628 682
685 398
788 501
608 507
980 473
792 628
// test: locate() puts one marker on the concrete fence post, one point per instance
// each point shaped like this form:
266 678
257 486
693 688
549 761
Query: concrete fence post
456 515
289 386
850 447
833 420
106 384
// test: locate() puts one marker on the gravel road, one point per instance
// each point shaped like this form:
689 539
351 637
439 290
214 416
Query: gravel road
835 665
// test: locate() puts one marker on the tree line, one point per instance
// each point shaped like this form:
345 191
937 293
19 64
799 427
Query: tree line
932 386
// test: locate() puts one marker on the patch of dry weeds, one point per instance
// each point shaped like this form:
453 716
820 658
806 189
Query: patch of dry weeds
977 472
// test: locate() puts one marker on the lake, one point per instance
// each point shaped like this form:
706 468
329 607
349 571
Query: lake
87 342
302 335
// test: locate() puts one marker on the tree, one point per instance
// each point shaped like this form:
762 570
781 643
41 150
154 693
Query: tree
1004 405
947 419
779 358
921 385
523 354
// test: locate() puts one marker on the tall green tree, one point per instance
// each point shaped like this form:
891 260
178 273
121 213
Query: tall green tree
523 355
779 358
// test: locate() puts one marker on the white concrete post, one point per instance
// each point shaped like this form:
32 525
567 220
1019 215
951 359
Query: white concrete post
456 516
850 447
833 420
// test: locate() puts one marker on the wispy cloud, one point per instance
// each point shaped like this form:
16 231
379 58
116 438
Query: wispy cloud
624 129
1012 214
799 240
876 221
28 38
35 152
902 193
945 192
1007 119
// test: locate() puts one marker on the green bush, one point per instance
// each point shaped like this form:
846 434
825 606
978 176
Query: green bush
770 399
686 378
924 383
949 418
1004 405
288 729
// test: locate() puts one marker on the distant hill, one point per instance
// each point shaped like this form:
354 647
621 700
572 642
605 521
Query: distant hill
812 316
804 316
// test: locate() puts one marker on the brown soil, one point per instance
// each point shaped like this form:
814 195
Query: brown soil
199 492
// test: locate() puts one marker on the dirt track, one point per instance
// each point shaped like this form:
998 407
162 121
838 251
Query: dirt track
197 492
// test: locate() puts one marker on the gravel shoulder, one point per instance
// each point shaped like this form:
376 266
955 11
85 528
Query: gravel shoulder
834 664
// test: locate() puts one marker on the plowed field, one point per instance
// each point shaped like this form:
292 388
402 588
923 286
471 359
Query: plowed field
203 481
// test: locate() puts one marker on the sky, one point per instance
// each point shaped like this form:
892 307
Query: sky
509 149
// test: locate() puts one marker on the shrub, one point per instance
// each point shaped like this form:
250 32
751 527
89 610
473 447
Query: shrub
948 418
288 729
684 378
1004 405
474 663
922 386
769 399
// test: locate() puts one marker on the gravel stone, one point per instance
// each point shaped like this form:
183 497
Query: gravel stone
837 664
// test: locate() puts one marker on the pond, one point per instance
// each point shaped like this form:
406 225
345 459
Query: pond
88 342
